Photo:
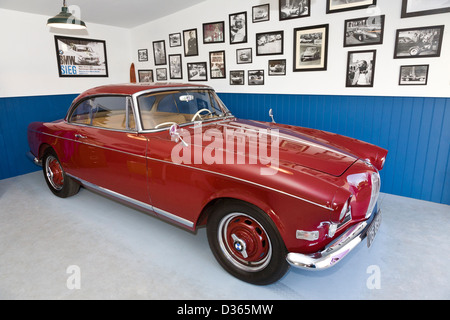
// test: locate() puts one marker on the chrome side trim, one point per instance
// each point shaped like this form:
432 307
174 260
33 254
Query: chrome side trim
135 202
246 181
203 170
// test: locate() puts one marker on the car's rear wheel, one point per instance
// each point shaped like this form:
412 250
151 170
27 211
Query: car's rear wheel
58 182
246 243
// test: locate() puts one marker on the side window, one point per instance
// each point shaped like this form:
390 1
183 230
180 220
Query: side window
113 112
82 113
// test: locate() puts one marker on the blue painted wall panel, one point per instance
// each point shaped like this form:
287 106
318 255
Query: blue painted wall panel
416 131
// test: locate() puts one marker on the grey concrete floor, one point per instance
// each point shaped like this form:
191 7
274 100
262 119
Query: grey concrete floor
90 247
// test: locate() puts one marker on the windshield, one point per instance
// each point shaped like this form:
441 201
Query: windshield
158 110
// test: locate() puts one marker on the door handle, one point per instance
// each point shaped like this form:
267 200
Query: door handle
80 136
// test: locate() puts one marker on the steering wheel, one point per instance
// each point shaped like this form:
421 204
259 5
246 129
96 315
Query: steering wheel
165 124
197 114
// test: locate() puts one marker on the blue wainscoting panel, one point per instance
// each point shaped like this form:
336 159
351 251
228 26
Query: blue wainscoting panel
15 115
416 131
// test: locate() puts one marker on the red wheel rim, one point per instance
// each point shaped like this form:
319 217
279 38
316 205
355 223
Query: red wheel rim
244 242
55 173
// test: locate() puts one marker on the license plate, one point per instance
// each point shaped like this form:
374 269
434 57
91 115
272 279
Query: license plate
373 228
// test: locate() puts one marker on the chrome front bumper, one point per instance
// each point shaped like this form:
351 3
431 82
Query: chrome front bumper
337 250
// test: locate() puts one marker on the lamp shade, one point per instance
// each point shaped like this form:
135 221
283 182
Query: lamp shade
65 20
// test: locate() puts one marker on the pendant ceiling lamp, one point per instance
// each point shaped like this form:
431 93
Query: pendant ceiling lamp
66 20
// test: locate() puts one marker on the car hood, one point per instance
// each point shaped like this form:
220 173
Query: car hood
297 146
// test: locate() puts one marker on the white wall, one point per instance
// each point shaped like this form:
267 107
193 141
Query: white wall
28 64
331 81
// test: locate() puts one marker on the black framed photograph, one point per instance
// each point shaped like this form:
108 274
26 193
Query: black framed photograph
80 57
190 42
418 42
269 43
142 55
364 31
175 40
161 74
175 66
145 75
277 67
346 5
415 8
238 27
217 64
293 9
197 71
413 75
255 77
244 55
311 48
237 77
261 13
360 68
159 52
213 32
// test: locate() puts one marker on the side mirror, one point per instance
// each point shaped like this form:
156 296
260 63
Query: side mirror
271 115
175 134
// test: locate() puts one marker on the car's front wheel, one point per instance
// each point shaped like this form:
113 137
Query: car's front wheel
246 243
59 183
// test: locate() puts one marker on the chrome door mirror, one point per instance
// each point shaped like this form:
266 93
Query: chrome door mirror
271 115
174 132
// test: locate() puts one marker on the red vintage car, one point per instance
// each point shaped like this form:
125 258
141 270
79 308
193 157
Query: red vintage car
270 195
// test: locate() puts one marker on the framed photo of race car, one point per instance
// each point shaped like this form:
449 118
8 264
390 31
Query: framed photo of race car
420 42
364 31
311 48
80 57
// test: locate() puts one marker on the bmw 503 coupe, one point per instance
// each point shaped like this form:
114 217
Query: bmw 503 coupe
270 195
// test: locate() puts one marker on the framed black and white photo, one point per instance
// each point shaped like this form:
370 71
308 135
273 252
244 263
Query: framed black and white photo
142 55
175 66
244 55
311 48
161 74
175 40
418 42
237 77
217 64
80 57
364 31
261 13
269 43
345 5
145 75
360 68
413 75
277 67
255 77
197 71
238 27
293 9
190 43
214 32
414 8
159 52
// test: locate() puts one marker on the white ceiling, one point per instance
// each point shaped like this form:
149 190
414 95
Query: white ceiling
119 13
